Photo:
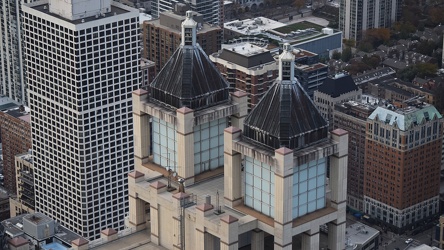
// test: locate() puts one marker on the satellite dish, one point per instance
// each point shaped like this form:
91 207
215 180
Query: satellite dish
174 174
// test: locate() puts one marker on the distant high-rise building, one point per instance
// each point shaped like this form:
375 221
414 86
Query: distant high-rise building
83 62
402 164
355 17
212 10
12 72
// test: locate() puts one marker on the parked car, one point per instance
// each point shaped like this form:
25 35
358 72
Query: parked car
408 241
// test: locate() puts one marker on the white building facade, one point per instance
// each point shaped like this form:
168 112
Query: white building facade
83 63
212 10
12 73
356 16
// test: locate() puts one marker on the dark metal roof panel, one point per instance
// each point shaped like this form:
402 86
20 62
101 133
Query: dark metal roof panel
189 79
285 116
335 87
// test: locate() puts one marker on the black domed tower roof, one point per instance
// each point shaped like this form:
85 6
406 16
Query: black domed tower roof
189 78
285 116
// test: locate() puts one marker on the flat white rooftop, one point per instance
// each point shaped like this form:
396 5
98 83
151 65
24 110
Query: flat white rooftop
253 26
246 49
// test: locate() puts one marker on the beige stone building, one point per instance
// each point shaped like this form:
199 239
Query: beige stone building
24 201
208 185
335 89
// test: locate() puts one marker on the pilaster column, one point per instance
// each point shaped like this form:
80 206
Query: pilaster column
156 188
338 185
283 238
283 181
241 100
257 239
283 185
79 244
310 240
202 238
336 235
141 128
338 169
137 218
229 228
232 168
185 144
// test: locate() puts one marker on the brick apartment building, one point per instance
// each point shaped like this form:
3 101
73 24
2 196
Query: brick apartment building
248 68
403 159
352 117
161 37
15 130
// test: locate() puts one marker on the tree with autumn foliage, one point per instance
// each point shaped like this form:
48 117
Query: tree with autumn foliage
376 37
436 16
298 4
403 29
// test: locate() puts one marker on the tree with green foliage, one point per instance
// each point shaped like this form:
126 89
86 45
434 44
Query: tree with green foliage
407 74
346 54
365 46
333 25
336 55
372 61
357 67
426 69
426 47
422 70
349 42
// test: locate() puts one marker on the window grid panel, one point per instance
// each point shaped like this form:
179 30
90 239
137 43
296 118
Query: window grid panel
259 186
308 187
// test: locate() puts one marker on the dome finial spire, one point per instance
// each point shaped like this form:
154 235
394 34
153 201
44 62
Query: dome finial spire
286 63
189 27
